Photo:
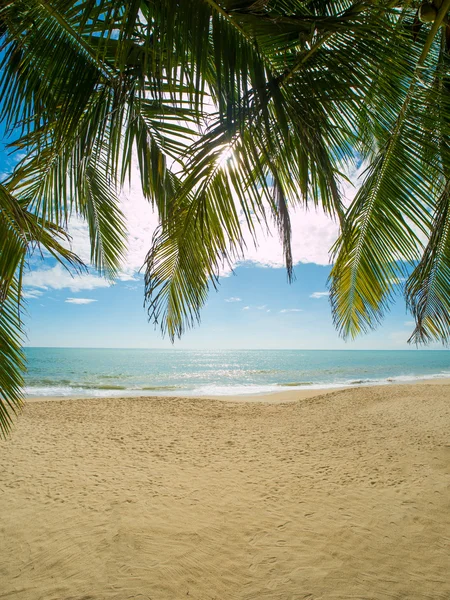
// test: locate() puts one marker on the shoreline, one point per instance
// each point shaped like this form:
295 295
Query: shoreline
258 397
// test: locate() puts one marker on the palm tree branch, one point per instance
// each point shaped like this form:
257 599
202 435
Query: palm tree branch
353 301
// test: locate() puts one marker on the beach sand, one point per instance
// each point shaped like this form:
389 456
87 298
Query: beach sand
336 496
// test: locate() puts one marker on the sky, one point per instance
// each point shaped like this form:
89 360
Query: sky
254 307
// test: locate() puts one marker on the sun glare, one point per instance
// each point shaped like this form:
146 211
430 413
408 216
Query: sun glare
226 156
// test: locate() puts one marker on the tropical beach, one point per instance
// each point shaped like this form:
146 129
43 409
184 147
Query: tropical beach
278 172
308 495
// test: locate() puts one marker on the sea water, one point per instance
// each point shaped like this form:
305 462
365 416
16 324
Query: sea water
118 372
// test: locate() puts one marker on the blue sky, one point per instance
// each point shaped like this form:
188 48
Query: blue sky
254 307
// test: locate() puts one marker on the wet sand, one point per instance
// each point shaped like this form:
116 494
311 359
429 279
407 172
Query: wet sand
343 495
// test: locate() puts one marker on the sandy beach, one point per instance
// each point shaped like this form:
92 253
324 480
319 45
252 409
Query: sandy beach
344 495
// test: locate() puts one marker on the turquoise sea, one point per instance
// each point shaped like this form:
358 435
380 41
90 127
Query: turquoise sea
109 372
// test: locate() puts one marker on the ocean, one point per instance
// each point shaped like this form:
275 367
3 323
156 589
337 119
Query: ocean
119 372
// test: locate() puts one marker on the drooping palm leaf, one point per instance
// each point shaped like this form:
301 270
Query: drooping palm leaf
12 359
391 209
20 233
427 289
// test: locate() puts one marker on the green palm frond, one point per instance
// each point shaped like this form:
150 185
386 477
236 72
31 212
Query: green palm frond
99 205
180 268
286 140
13 241
428 289
381 232
20 233
53 186
12 359
201 232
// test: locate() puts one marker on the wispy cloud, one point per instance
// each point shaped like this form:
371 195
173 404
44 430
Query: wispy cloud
319 294
233 299
246 308
262 307
409 323
80 300
31 294
59 278
289 310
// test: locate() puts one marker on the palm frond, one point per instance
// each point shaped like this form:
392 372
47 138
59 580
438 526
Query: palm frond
20 233
381 233
12 358
184 260
99 205
427 288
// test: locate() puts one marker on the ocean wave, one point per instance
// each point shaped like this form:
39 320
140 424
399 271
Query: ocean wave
410 378
65 388
106 387
156 388
296 383
72 392
49 382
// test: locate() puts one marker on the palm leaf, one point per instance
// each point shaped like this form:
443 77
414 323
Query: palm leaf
427 289
20 233
380 236
184 260
12 359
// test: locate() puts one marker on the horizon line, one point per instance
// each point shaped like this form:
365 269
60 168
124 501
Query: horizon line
243 349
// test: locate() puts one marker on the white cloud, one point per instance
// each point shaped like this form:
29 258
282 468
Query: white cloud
124 276
268 310
30 294
233 299
290 310
409 323
313 233
80 300
59 278
262 307
319 294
